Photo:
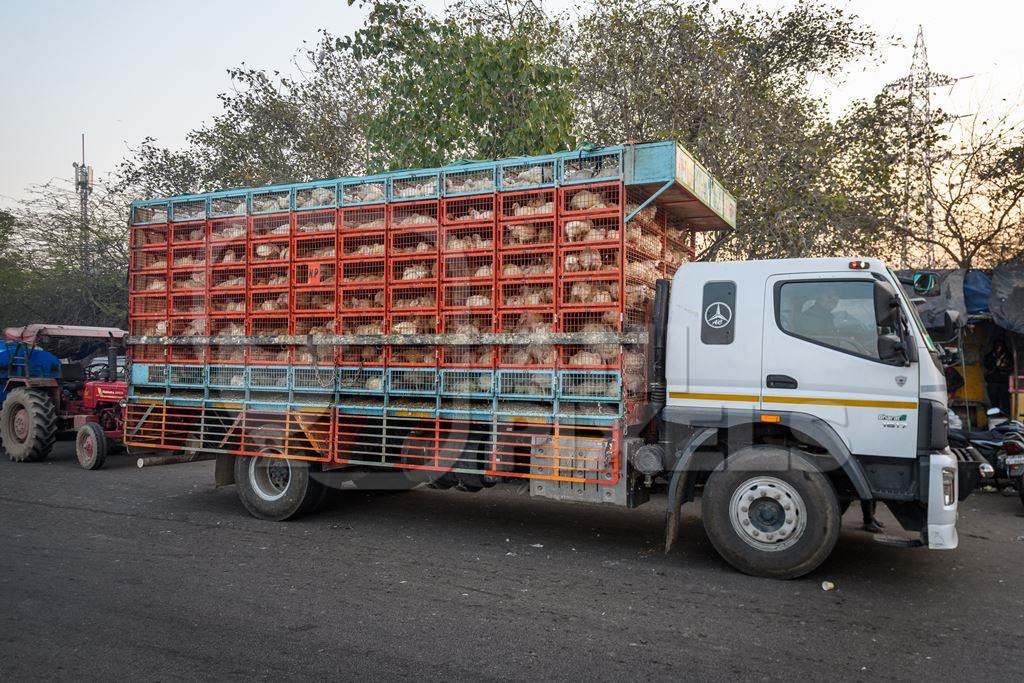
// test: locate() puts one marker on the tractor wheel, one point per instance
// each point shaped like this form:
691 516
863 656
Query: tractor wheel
91 446
28 425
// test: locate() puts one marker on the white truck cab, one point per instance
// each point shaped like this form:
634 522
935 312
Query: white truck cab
792 388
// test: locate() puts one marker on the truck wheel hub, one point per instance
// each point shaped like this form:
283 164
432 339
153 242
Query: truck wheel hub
270 477
767 513
20 424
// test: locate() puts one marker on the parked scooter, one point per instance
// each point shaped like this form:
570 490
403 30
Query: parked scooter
1001 446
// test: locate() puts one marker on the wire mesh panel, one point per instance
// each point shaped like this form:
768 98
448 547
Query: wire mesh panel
266 277
186 376
592 356
468 181
468 295
148 236
270 226
593 412
474 383
149 327
148 304
412 355
315 222
228 279
315 380
363 218
527 173
222 353
526 322
265 354
270 251
362 272
475 356
528 356
229 229
363 299
363 191
149 259
271 201
227 327
468 266
408 242
361 355
270 326
605 229
188 280
189 234
468 239
318 196
149 212
643 270
539 295
468 209
414 269
148 283
413 323
188 354
183 210
226 377
412 381
526 205
523 408
603 260
188 257
534 263
413 298
314 248
148 353
362 324
363 245
234 204
268 378
589 385
414 215
227 304
415 185
361 380
318 356
583 200
591 293
597 322
150 375
189 326
527 233
227 254
586 167
313 324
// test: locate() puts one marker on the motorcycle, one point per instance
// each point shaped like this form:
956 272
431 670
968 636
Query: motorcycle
1001 447
1011 460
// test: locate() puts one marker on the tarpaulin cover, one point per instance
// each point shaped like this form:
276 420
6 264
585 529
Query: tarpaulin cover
977 289
1007 299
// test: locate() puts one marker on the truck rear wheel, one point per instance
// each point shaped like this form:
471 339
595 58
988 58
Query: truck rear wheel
91 446
28 425
276 489
771 512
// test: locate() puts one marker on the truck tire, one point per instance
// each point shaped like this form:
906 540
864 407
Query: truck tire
28 425
770 512
276 489
91 446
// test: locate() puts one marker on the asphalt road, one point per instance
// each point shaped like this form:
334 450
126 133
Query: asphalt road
154 574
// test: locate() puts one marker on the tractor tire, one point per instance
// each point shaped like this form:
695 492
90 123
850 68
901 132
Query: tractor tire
91 446
276 489
28 425
770 512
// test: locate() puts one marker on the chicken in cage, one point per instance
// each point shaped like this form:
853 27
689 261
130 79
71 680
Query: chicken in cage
413 381
469 184
469 242
473 355
364 299
585 200
153 328
229 282
271 280
272 251
582 261
472 384
277 227
646 214
587 231
195 328
230 256
272 330
274 303
594 292
366 221
413 244
229 306
189 235
533 354
228 231
365 192
313 197
527 383
189 259
158 263
196 280
407 189
363 327
319 301
531 207
638 295
591 385
601 166
264 203
414 219
324 251
675 233
520 176
644 269
156 284
413 355
368 249
521 234
420 324
530 322
418 270
469 213
231 329
526 265
325 224
469 324
529 295
414 298
319 327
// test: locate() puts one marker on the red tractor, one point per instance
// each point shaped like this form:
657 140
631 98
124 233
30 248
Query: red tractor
44 398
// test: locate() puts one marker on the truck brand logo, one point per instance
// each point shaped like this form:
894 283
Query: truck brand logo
718 315
893 421
901 380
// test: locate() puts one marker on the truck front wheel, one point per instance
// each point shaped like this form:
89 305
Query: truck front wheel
771 512
28 425
276 489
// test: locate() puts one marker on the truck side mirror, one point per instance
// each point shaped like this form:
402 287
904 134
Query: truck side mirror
891 350
925 283
887 304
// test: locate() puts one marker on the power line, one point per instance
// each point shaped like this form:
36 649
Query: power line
918 192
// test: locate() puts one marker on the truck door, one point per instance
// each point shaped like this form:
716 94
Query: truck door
820 357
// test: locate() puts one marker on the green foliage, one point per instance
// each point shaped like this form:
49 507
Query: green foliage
474 83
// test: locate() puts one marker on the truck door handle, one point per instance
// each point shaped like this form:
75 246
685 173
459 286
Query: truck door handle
780 382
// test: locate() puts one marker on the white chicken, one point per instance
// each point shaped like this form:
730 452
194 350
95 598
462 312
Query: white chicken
521 233
416 219
370 224
317 226
468 184
407 189
475 300
520 176
228 256
365 192
156 284
226 283
585 200
418 270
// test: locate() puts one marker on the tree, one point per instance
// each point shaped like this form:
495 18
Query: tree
732 86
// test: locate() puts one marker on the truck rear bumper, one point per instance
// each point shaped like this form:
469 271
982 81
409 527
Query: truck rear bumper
942 501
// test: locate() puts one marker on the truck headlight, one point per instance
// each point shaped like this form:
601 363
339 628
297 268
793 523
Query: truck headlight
948 486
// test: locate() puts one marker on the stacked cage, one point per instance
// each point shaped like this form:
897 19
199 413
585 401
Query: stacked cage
522 249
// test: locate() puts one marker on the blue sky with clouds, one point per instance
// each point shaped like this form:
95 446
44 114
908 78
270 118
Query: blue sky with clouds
120 71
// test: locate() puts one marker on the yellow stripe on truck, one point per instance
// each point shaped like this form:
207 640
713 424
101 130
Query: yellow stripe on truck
795 400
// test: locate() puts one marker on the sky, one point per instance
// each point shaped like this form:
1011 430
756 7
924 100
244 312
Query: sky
121 71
